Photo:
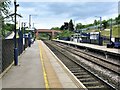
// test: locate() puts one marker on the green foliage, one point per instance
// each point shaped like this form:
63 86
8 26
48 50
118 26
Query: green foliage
44 36
115 31
65 33
8 27
4 10
105 24
71 26
65 26
79 26
4 6
88 25
118 19
62 27
95 22
55 28
91 30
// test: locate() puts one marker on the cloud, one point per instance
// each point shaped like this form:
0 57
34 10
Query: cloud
66 0
52 14
119 7
81 10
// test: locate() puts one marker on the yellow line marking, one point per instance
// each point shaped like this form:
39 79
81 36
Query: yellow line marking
43 67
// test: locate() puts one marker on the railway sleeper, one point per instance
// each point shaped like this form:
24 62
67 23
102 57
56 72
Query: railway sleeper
95 83
74 69
87 79
82 76
94 87
77 70
80 73
85 76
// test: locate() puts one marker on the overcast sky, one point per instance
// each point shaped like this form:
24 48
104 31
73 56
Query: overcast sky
53 14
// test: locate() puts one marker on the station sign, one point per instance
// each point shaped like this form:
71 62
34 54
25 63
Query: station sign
94 35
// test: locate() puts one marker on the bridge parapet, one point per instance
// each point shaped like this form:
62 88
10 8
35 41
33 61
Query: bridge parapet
47 31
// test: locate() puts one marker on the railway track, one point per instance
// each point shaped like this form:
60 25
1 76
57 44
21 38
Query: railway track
112 66
88 78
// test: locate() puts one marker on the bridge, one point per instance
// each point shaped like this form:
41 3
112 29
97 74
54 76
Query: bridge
52 32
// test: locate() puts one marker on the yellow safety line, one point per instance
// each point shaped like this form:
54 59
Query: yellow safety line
44 71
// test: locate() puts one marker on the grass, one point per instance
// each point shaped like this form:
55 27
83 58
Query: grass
115 31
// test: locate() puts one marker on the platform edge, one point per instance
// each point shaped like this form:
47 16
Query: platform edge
72 77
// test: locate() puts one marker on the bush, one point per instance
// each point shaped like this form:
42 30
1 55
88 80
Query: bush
65 34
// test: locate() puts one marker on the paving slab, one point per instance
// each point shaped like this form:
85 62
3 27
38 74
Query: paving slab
28 74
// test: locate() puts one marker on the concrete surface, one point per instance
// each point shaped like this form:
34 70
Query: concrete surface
103 48
52 78
61 74
28 74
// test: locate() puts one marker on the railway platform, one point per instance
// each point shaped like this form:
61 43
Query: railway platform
39 68
92 46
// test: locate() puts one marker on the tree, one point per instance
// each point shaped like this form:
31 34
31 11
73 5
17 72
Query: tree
65 33
79 26
55 28
95 22
118 19
62 27
88 25
71 26
8 27
4 7
105 24
4 13
65 25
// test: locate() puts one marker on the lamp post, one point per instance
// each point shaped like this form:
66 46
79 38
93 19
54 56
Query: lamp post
30 17
111 30
29 21
100 22
100 41
23 27
15 41
74 25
